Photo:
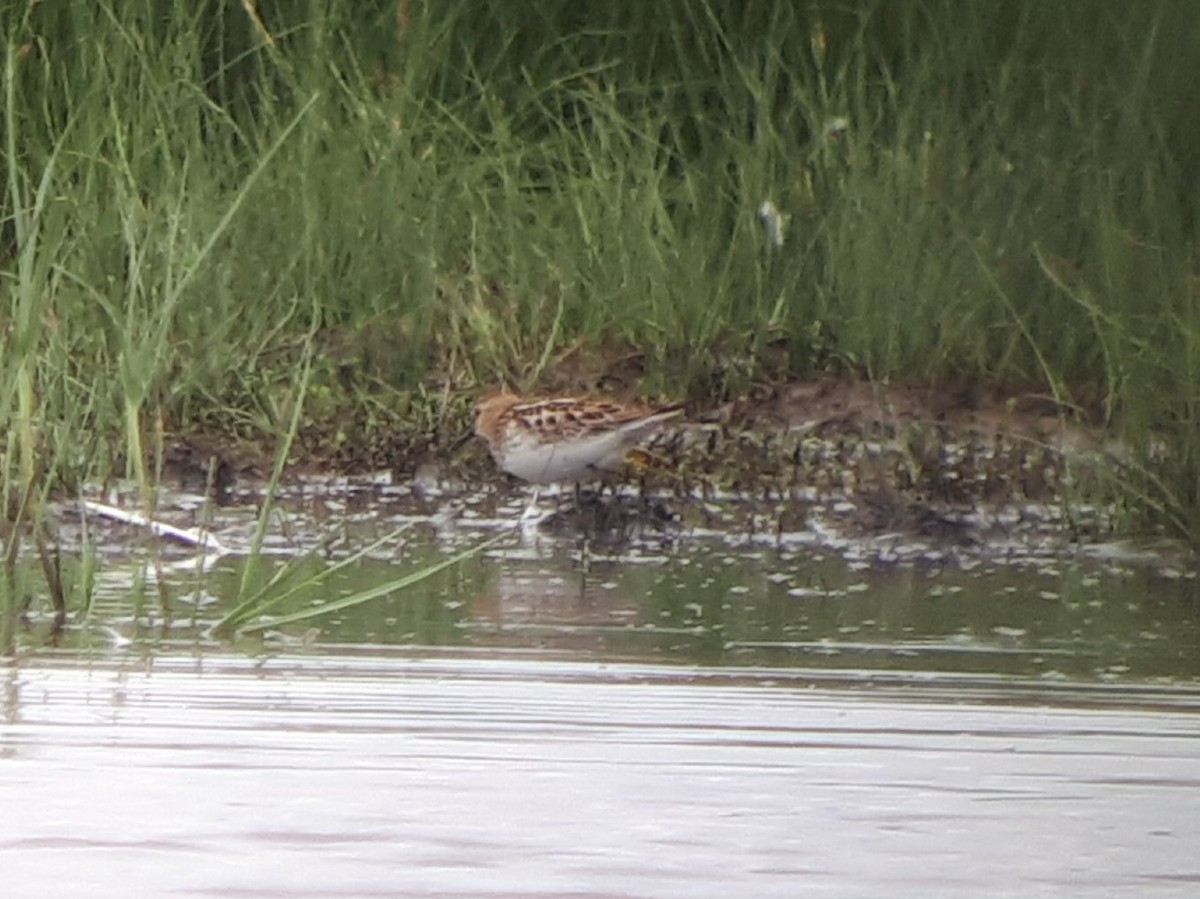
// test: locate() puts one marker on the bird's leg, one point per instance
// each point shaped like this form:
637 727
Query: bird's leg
585 561
531 512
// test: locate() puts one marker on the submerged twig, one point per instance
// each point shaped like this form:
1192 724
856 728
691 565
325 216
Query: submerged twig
197 537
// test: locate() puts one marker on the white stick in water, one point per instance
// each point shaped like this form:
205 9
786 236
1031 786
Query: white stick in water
197 537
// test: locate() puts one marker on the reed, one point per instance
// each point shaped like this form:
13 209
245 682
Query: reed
449 194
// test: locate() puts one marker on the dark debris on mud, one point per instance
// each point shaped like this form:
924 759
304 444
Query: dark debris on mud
956 467
863 461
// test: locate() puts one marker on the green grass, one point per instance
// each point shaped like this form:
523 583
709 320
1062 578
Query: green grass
189 194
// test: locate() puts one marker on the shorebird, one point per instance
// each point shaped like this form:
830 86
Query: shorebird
564 439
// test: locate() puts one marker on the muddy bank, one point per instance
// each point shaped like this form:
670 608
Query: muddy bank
957 464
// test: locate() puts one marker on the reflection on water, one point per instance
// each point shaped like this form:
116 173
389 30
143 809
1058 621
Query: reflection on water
707 602
381 774
1028 608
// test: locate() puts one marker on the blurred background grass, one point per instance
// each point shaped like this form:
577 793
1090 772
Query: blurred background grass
442 196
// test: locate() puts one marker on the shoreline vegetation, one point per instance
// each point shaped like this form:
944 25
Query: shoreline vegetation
322 230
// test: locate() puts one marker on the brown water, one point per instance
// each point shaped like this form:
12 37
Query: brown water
699 716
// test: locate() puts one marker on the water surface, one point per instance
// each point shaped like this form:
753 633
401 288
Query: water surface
383 775
702 713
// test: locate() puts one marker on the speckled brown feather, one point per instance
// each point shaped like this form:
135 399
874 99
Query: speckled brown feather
563 435
556 419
